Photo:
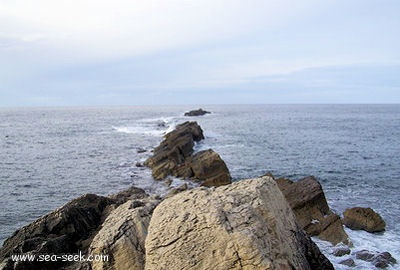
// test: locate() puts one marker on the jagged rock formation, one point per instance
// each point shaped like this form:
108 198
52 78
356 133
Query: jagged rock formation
174 156
378 259
308 202
68 229
366 219
245 225
198 112
65 230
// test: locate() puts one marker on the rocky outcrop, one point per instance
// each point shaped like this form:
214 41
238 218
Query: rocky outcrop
174 156
367 219
68 229
348 262
341 251
208 168
308 202
245 225
198 112
122 236
378 259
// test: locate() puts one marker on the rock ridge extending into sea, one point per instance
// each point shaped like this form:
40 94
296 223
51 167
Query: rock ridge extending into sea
261 223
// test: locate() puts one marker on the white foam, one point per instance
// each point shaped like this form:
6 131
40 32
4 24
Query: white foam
149 126
362 240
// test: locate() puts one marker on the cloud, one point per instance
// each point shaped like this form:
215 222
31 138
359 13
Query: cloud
113 50
124 27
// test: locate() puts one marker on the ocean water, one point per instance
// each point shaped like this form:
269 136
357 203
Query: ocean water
50 155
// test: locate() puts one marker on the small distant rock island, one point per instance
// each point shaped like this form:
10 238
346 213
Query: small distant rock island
260 223
198 112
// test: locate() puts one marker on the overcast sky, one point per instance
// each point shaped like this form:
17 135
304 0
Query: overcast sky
134 52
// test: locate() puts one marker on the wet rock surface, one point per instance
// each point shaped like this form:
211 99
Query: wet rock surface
348 262
341 251
378 259
359 218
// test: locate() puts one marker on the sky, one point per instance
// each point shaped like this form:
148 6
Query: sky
136 52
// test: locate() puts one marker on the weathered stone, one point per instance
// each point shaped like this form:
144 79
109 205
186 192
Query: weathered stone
198 112
174 156
177 190
66 230
245 225
174 149
122 236
384 259
378 259
308 202
341 251
359 218
348 262
365 255
131 193
209 168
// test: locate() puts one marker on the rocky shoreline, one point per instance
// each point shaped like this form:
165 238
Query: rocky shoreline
262 223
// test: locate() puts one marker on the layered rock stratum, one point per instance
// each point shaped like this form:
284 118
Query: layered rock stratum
308 202
175 156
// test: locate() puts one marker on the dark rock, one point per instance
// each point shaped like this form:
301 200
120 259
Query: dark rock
308 202
66 230
138 164
141 150
161 124
379 260
365 255
198 112
174 156
177 190
348 262
384 259
341 251
359 218
131 193
315 258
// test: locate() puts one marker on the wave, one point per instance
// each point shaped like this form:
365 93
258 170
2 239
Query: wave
150 126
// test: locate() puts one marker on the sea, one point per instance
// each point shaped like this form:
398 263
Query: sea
49 156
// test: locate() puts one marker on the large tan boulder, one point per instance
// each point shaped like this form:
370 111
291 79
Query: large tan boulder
245 225
308 202
122 236
175 156
359 218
